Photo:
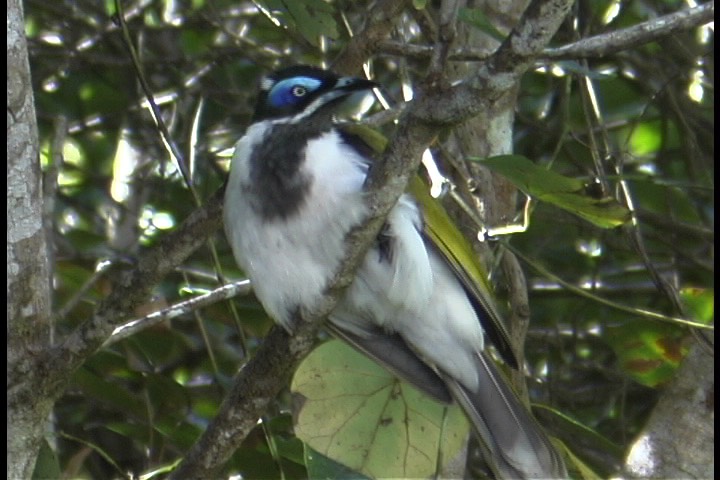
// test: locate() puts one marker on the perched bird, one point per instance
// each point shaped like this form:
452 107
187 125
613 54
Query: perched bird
295 190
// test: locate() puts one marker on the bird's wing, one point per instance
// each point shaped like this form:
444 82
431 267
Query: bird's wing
513 442
442 235
391 352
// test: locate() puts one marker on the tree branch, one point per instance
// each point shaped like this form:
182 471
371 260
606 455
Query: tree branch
130 287
29 319
501 70
225 292
632 37
380 20
591 47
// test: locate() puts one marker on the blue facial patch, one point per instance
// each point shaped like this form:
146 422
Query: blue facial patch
292 90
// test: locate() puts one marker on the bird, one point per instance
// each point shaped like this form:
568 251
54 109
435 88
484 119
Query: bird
295 189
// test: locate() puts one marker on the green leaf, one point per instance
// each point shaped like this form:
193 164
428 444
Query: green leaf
312 18
169 401
109 393
196 42
646 138
581 435
585 472
321 467
700 304
47 465
478 19
667 200
564 192
419 4
354 412
649 352
290 448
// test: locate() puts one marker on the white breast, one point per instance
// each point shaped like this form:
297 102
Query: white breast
290 260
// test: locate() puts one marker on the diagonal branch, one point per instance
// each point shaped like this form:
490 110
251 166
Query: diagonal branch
131 287
632 37
219 294
592 47
502 69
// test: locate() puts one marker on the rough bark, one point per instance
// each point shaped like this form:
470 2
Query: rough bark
28 285
679 438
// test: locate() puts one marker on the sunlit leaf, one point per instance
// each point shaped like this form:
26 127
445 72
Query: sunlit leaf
700 303
646 138
354 412
419 4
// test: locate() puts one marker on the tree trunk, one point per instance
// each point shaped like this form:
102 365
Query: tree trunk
678 440
28 277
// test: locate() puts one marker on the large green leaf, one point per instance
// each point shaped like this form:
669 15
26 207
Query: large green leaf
564 192
47 464
321 467
354 412
649 351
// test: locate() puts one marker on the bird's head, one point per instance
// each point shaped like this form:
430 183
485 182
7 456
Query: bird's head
300 92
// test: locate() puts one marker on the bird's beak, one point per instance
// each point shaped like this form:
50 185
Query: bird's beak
352 84
355 94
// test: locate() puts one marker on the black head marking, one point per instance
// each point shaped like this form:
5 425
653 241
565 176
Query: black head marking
278 185
300 102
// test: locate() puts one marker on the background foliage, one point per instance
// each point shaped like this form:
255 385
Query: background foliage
643 115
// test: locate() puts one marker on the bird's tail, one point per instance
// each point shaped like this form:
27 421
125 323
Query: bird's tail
513 443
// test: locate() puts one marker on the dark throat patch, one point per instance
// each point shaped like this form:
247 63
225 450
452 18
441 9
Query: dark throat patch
278 187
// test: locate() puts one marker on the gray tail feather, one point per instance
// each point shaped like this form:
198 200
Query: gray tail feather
514 444
392 352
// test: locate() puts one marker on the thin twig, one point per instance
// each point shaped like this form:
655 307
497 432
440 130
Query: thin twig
591 47
219 294
632 37
617 306
167 139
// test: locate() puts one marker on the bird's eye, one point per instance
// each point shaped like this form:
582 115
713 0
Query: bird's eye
298 91
291 92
